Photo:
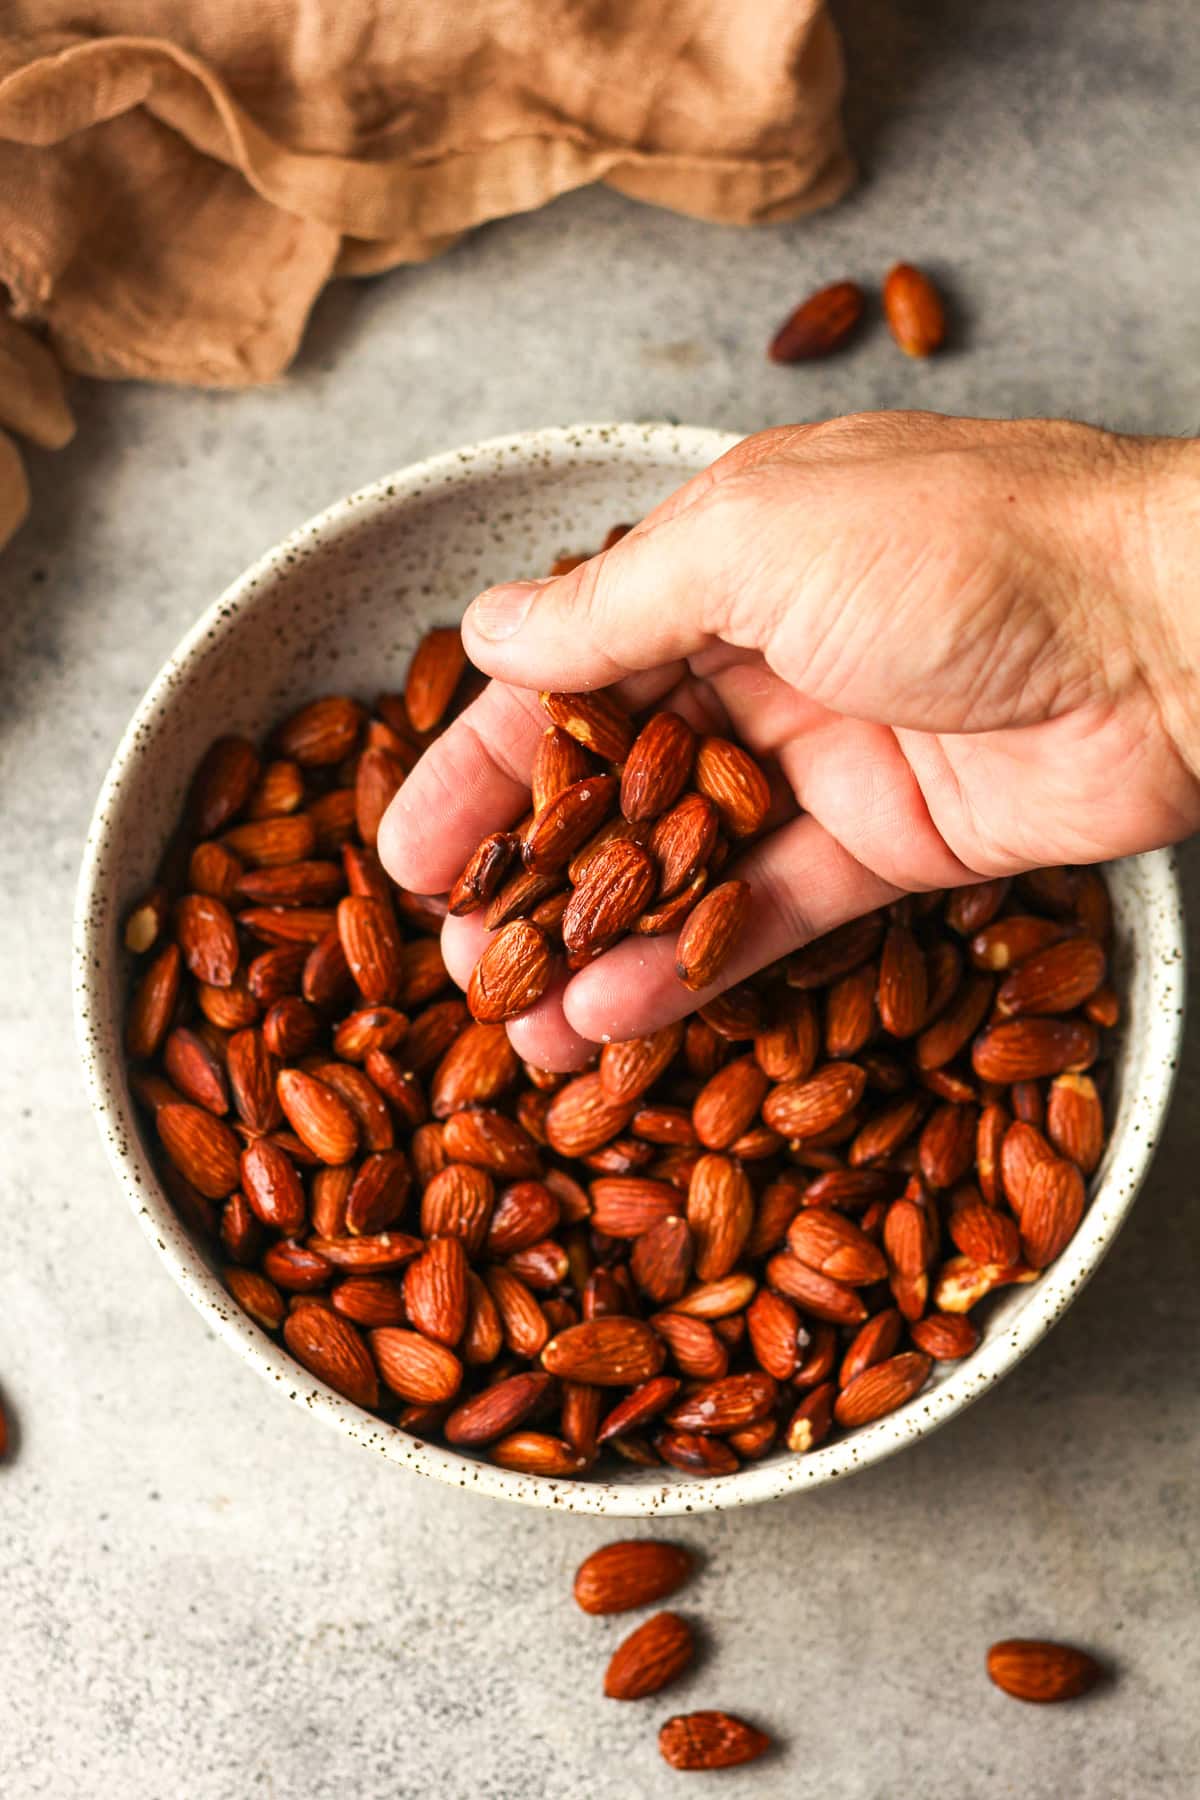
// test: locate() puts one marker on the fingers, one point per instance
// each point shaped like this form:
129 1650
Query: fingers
472 780
802 883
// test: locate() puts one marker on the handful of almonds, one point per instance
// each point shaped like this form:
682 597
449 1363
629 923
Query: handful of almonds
721 1240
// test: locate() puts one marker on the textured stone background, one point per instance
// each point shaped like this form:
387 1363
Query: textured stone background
206 1595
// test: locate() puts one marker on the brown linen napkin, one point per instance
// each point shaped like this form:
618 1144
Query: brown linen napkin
178 178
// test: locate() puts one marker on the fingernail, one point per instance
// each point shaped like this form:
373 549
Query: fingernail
501 611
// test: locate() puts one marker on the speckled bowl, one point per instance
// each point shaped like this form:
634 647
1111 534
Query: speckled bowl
341 604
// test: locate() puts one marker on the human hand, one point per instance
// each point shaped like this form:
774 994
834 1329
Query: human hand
968 645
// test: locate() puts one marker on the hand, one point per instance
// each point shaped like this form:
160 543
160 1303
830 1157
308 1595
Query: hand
969 645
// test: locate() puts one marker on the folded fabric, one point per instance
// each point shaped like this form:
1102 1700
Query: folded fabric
178 178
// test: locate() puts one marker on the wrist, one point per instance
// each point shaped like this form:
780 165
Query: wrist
1170 634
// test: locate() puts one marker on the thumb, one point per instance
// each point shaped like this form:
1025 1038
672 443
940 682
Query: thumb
650 600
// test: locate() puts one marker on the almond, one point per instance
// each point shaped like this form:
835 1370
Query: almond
146 921
490 1141
628 1069
367 1255
695 1453
645 1402
478 1067
433 674
657 767
581 1117
787 1046
710 1740
485 869
559 761
873 1343
212 869
710 934
969 909
1008 941
809 1425
850 1020
526 1212
372 948
728 1103
720 1212
1027 1049
726 1404
698 1352
882 1388
322 733
222 785
903 996
682 842
819 1295
661 1260
625 1206
819 325
256 1296
774 1326
267 843
331 1349
203 1149
836 953
195 1070
1054 980
650 1658
319 1117
1075 1120
594 720
252 1072
154 1001
805 1109
985 1235
523 1321
537 1453
415 1368
435 1291
944 1336
458 1202
953 1030
512 974
370 1300
629 1574
497 1409
914 311
483 1338
1050 1210
378 1193
614 888
272 1185
566 822
1035 1670
833 1245
295 1268
947 1144
279 789
607 1352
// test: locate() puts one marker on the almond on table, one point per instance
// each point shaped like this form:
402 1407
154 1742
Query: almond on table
770 1221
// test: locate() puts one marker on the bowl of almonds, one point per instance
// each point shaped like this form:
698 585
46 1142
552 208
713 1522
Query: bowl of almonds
772 1243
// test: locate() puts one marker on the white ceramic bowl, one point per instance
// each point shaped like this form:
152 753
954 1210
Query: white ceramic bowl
341 604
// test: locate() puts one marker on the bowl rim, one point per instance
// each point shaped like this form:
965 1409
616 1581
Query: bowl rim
691 448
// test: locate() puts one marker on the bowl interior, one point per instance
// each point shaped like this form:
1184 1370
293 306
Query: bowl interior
341 605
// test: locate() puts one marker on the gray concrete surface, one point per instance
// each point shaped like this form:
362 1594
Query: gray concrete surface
204 1594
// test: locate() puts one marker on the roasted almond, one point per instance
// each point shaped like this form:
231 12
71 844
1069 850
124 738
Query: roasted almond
806 1109
720 1213
650 1658
819 325
202 1147
710 934
1027 1049
566 822
559 761
832 1244
1075 1120
1033 1669
222 785
819 1295
330 1348
497 1409
322 733
512 974
1050 1209
414 1367
710 1740
657 767
882 1388
728 1102
914 311
1054 980
614 888
433 674
631 1573
594 720
607 1352
319 1117
372 948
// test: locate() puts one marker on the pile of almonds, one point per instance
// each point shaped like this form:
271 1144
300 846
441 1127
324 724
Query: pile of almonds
638 1572
719 1241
